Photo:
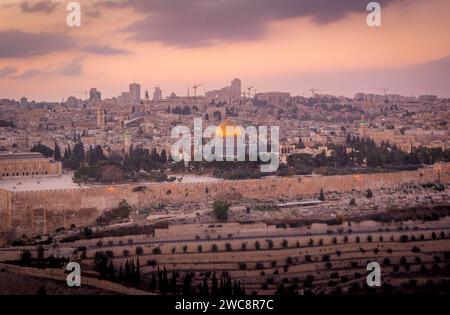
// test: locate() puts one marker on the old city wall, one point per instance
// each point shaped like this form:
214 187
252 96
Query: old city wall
38 212
5 208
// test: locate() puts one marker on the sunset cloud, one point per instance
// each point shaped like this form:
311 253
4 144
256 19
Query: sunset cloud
104 50
43 6
18 44
73 68
194 23
283 45
7 71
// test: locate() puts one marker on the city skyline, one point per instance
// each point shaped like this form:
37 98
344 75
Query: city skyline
303 45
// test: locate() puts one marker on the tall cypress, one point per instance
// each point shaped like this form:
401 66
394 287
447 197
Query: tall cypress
57 152
214 285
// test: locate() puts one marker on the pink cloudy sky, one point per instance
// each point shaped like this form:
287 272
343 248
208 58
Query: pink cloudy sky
283 45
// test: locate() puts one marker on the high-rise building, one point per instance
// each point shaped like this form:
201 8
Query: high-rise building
124 98
135 93
95 97
226 94
157 94
236 88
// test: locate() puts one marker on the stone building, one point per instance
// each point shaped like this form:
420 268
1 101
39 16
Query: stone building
27 164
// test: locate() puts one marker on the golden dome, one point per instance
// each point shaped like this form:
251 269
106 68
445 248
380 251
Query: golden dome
233 131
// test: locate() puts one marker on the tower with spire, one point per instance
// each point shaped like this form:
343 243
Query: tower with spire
147 98
101 117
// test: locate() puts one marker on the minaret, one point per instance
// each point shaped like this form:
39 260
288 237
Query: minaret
101 118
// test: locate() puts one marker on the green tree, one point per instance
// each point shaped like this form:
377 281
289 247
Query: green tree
321 195
139 250
43 149
78 151
25 258
220 209
57 153
102 264
40 252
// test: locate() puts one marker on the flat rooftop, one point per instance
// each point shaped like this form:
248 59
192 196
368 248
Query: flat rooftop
38 183
21 156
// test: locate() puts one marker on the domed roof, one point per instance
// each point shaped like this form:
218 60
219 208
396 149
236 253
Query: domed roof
233 131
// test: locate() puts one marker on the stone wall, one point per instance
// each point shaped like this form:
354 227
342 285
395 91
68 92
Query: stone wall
5 208
29 167
38 212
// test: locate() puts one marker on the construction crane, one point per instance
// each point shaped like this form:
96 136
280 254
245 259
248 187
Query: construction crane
313 91
249 91
243 94
81 92
195 88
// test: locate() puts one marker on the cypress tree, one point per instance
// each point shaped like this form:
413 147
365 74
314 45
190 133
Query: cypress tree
165 280
214 285
133 273
121 273
205 287
153 282
173 284
127 272
187 285
57 152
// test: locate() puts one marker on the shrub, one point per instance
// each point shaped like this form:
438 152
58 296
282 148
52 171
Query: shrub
119 213
151 262
140 250
25 257
321 195
220 209
156 251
